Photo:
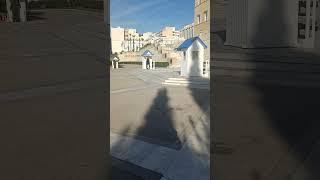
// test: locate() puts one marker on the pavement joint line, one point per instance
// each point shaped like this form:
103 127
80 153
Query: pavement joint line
145 74
38 55
134 88
77 46
52 89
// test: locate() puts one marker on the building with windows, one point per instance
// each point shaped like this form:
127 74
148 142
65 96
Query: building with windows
308 23
133 41
187 31
202 25
294 23
169 32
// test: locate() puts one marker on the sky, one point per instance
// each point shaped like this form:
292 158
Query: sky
151 15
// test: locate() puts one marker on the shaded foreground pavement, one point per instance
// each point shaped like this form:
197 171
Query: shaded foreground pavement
53 96
266 105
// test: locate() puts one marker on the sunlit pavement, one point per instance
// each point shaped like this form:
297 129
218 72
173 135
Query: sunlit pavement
164 129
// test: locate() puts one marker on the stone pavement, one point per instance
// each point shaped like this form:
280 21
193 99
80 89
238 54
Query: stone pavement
265 112
163 129
53 81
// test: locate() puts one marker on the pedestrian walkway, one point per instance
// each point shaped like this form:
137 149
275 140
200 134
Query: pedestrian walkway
191 162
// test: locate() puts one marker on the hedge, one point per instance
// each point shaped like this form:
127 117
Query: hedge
158 64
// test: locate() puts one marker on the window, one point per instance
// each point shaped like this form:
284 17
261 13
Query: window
205 16
199 19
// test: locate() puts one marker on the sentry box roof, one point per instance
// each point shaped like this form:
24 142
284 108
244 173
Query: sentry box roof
187 43
147 53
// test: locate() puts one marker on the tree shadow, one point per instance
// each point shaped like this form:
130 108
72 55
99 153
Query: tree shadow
275 96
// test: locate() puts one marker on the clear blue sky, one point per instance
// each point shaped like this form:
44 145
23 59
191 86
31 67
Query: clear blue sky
151 15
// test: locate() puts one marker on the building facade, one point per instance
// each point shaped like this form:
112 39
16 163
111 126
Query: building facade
187 31
117 39
127 40
169 32
202 26
308 23
133 41
294 23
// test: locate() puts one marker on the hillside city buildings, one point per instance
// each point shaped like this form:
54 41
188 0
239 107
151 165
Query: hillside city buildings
129 41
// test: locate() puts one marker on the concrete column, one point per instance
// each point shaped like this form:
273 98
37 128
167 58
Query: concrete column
23 11
9 11
144 63
153 64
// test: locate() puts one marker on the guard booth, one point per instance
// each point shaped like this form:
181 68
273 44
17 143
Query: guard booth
192 64
147 62
115 62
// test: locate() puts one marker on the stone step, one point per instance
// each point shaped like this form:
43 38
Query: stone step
235 54
187 82
266 66
191 79
197 86
281 78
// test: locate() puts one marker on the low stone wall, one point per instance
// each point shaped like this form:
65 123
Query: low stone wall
130 57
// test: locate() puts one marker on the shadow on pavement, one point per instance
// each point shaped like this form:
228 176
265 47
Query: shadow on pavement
160 129
36 15
269 118
157 129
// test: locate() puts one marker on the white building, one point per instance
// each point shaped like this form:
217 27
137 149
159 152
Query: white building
147 36
117 39
187 31
129 40
133 41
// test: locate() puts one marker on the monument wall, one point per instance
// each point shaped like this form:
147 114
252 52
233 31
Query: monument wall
262 23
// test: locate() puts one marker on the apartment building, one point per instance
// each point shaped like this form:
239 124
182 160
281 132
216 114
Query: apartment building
117 38
169 32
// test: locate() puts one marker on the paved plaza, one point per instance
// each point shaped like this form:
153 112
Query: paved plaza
265 110
52 70
162 128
